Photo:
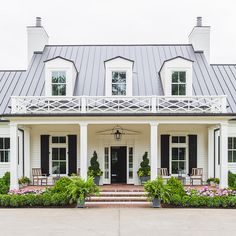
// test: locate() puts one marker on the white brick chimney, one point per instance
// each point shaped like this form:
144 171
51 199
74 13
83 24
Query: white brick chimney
200 38
37 38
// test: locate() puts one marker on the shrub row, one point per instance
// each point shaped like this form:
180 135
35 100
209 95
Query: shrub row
5 183
202 201
34 200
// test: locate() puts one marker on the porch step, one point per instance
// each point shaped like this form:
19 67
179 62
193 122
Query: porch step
118 204
118 198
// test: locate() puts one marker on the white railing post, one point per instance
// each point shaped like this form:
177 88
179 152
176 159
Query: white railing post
83 104
223 104
13 105
154 104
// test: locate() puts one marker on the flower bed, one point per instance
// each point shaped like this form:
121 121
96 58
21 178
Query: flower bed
26 191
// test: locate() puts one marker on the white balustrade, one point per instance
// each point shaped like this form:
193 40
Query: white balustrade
102 104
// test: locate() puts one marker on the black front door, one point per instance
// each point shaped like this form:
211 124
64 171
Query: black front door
118 164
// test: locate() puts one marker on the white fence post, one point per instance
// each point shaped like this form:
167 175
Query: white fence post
83 104
154 104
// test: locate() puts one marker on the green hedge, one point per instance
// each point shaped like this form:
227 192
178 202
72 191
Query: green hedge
202 201
35 200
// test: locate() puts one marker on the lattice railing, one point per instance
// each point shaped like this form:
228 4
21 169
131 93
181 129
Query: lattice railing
102 104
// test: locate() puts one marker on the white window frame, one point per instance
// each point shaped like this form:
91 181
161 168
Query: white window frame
179 145
177 64
9 151
232 149
59 145
118 65
58 71
60 64
179 83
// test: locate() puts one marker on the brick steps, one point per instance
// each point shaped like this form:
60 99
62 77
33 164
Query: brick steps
120 198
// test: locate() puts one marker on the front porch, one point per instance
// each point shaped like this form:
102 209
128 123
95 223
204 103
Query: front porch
66 145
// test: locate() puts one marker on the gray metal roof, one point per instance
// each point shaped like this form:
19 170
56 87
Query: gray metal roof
89 61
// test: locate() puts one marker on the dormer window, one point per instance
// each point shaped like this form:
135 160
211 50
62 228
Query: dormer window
118 83
178 86
58 83
119 72
176 76
60 77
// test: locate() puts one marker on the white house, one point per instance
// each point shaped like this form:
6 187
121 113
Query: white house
120 101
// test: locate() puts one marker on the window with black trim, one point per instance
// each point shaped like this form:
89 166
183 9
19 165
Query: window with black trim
4 149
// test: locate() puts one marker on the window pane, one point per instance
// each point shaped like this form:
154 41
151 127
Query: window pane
1 143
234 143
181 153
230 143
114 77
230 156
174 153
122 77
7 143
2 159
62 139
175 139
118 89
182 139
174 89
7 156
54 139
62 167
62 152
234 156
182 165
55 167
62 77
182 89
54 153
175 77
54 77
62 90
174 167
182 76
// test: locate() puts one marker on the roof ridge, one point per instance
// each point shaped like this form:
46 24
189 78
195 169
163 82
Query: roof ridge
150 44
222 64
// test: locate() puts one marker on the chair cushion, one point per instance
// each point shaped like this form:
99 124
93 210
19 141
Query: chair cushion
195 176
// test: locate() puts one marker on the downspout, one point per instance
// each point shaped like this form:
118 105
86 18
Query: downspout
23 150
215 130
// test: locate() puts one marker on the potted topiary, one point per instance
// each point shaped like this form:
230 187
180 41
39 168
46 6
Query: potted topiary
79 189
213 181
144 170
94 169
157 192
24 181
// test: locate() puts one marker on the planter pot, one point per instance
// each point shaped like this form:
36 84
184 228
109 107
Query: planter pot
213 184
96 180
80 203
144 179
156 203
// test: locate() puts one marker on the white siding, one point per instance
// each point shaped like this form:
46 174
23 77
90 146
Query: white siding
232 133
4 132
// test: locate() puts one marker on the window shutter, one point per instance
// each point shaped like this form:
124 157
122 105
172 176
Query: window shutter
45 154
72 153
165 151
192 152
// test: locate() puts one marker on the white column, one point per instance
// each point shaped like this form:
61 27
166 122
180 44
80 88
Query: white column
27 151
83 150
154 150
14 156
223 155
211 164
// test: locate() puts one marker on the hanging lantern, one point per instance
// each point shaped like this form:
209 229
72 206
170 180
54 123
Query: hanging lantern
117 135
